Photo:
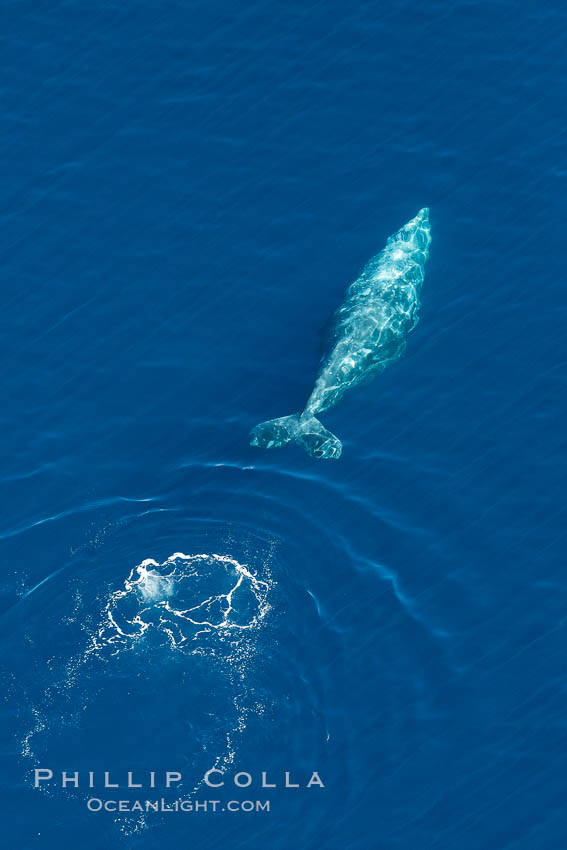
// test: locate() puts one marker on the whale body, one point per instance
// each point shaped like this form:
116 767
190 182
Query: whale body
369 333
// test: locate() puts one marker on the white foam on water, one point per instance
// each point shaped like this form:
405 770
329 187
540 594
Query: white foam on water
206 609
181 599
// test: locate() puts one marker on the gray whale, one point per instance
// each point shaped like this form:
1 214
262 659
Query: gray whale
369 333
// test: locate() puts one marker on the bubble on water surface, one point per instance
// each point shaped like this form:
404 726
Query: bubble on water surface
181 601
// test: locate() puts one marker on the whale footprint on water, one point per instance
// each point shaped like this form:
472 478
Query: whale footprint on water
369 333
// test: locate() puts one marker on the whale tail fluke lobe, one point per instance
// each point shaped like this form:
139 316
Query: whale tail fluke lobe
303 429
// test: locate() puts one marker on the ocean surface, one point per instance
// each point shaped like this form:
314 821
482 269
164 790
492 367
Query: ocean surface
187 191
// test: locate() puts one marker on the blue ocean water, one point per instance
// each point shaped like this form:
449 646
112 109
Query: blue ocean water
187 191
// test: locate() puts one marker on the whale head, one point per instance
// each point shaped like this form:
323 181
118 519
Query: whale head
415 235
421 220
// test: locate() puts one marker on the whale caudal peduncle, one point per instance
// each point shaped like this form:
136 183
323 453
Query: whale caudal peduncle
369 332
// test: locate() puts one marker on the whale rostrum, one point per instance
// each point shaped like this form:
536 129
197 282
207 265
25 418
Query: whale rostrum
369 333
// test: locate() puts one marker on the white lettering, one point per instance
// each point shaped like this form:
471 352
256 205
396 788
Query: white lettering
132 784
289 784
265 783
107 782
315 780
41 775
172 776
73 778
208 781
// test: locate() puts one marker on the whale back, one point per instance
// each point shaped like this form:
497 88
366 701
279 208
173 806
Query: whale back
379 310
383 301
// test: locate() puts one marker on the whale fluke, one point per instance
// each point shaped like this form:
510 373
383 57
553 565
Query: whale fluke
302 429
